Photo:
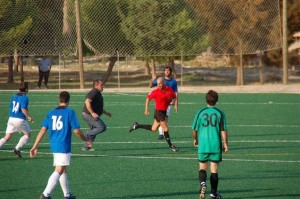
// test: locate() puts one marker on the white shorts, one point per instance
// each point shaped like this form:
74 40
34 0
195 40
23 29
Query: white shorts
61 159
17 125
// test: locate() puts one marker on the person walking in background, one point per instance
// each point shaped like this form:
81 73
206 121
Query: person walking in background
60 122
18 112
92 110
44 71
209 129
172 83
162 96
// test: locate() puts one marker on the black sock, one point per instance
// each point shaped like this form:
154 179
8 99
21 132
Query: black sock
202 176
214 179
144 126
167 137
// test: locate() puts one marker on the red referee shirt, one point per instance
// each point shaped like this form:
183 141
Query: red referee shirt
162 97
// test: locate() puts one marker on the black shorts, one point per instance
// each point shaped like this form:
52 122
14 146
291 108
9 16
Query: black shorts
160 116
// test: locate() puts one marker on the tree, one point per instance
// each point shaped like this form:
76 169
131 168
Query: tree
101 31
14 30
160 28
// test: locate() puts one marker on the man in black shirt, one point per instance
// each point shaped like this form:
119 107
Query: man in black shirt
92 111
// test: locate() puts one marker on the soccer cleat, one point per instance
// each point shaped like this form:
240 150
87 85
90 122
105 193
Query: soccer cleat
70 197
18 153
44 197
133 126
161 137
87 148
215 196
174 148
202 191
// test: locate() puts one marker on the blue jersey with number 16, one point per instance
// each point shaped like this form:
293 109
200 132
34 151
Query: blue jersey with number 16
60 123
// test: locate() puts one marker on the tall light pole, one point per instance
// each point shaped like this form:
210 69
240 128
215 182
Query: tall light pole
284 43
79 44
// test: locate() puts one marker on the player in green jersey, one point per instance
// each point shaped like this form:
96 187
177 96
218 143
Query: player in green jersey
209 129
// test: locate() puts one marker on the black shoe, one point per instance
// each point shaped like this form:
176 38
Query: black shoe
44 197
161 137
215 196
133 126
18 153
174 148
70 197
202 191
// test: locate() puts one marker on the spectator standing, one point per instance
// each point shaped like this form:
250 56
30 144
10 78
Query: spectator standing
44 71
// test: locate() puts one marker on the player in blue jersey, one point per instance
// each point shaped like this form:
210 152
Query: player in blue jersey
18 112
60 122
171 82
209 129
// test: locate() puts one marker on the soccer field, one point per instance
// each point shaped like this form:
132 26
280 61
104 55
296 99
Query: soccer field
263 159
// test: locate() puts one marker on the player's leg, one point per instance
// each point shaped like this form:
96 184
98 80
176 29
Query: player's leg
60 162
160 129
5 139
98 127
10 130
165 127
22 127
214 179
202 176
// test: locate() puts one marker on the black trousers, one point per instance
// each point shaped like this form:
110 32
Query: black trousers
45 76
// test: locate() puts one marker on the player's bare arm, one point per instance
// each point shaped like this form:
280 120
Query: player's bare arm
195 136
33 150
107 113
147 107
225 140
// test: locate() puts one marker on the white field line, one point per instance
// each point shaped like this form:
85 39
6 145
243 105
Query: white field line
155 157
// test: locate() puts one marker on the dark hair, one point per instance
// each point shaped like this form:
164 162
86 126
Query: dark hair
23 86
211 97
96 82
64 97
168 67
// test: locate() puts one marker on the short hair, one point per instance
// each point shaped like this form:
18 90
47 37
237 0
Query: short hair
168 67
160 79
23 86
64 97
97 81
211 97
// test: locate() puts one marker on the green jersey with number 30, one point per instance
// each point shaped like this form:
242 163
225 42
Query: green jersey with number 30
209 122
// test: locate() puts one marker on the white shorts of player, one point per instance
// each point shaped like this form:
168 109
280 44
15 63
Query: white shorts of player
61 159
17 125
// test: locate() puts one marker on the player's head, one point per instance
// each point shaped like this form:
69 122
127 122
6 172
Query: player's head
160 82
23 87
168 71
64 97
98 84
211 97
